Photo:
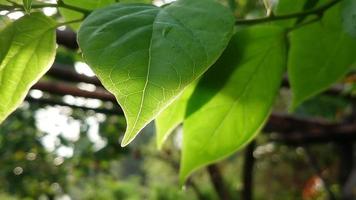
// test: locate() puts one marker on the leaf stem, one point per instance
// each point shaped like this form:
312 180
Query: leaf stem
60 4
316 11
69 22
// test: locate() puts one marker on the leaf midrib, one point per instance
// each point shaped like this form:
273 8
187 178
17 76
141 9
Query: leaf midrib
243 92
146 82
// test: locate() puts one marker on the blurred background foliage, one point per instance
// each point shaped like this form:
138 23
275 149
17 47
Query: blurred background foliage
85 160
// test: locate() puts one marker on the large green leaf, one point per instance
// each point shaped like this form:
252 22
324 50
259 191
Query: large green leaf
221 118
172 116
147 55
27 50
320 54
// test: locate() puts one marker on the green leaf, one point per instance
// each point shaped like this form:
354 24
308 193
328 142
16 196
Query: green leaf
147 55
27 5
4 21
286 7
222 118
27 50
172 116
320 54
349 16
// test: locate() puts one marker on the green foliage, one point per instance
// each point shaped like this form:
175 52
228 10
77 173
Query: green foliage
27 52
4 21
320 54
145 63
349 16
70 15
27 5
286 7
156 61
222 118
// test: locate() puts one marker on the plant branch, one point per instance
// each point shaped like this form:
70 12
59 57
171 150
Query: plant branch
218 182
61 4
248 166
51 102
66 73
70 22
317 11
66 89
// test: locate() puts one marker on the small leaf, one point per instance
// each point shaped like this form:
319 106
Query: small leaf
320 54
147 55
349 16
27 5
172 116
223 118
27 50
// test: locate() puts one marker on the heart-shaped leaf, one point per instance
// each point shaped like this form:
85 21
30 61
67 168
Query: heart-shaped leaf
146 55
233 100
27 50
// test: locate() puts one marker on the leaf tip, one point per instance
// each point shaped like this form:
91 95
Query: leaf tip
126 141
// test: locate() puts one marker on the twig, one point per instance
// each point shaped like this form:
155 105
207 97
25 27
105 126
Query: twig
218 182
249 160
65 89
61 4
65 73
316 11
70 22
41 101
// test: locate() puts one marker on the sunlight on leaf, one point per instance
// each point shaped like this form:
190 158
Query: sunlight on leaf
146 55
222 118
27 51
172 116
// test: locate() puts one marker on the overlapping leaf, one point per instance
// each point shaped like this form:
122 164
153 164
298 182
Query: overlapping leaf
349 16
233 100
147 55
172 116
320 54
27 50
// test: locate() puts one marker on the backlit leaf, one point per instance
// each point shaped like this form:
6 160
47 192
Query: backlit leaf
27 50
147 55
4 21
222 118
172 116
